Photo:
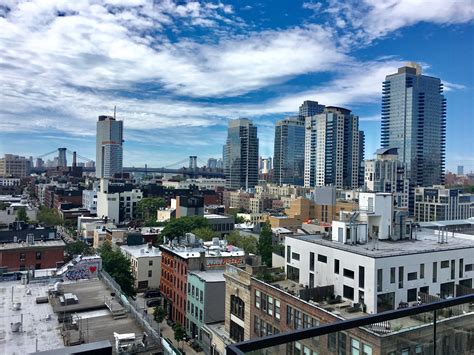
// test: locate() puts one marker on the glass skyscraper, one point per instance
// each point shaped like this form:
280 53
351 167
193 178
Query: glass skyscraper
288 161
241 155
414 121
109 149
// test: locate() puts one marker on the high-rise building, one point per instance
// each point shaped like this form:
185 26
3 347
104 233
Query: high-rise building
310 108
14 166
288 161
460 169
332 149
212 163
414 121
109 149
241 154
388 174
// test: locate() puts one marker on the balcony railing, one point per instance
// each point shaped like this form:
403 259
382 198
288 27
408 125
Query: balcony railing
443 327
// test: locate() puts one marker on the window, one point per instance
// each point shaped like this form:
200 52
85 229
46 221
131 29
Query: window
201 296
307 323
461 267
192 290
411 295
295 256
288 253
149 273
38 255
348 292
412 276
256 326
311 261
237 306
22 256
189 288
264 302
311 280
258 299
379 280
361 277
367 350
277 309
422 271
348 273
444 264
289 315
392 275
336 266
298 320
435 271
332 342
355 347
468 267
150 262
200 315
322 258
400 276
236 332
341 346
453 269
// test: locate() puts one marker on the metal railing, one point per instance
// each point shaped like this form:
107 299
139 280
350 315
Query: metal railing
254 345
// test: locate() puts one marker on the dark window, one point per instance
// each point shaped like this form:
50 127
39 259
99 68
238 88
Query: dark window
361 277
411 295
422 271
311 261
341 346
400 276
336 266
236 332
38 255
348 292
37 266
461 267
412 276
237 307
322 258
392 275
149 273
468 267
435 271
295 256
453 269
311 280
444 264
379 280
150 262
332 341
22 256
348 273
293 273
289 315
288 253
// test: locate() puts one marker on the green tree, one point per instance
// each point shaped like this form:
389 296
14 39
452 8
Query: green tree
77 248
204 233
265 244
177 228
246 242
179 332
148 206
159 314
21 215
49 217
118 266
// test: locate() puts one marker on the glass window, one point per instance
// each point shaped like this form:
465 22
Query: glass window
289 315
422 271
332 342
201 296
270 305
348 273
435 271
149 273
379 280
295 256
412 276
311 261
298 320
277 309
444 264
392 275
288 253
322 258
150 262
400 276
367 350
341 346
361 277
258 298
355 347
336 266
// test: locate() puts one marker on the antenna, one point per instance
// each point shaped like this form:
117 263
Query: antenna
115 111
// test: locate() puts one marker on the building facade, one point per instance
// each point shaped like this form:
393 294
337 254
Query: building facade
388 174
241 155
310 108
145 263
438 203
414 121
109 147
332 149
14 166
117 202
288 161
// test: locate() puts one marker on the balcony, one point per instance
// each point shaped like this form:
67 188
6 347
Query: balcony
441 327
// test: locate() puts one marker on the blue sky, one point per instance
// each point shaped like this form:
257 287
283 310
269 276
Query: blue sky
178 70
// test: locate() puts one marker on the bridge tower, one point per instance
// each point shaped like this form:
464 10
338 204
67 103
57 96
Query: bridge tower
193 162
62 161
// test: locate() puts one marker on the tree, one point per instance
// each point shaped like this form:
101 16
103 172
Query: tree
178 227
77 248
21 215
159 314
204 233
49 217
3 206
179 332
246 242
148 206
265 244
118 267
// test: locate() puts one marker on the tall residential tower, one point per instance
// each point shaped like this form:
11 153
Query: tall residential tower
414 121
109 147
241 155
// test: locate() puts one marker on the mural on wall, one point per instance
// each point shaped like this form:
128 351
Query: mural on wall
86 269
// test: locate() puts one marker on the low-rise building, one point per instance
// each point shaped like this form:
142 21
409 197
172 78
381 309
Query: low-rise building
89 201
117 202
145 262
220 224
438 203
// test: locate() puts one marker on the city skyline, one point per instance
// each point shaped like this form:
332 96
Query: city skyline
179 72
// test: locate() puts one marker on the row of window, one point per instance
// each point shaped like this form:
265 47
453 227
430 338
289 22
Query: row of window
267 304
195 311
298 320
262 328
23 256
195 293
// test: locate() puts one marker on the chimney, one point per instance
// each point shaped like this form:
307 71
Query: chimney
74 159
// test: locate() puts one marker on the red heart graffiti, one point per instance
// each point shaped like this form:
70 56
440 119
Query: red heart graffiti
92 269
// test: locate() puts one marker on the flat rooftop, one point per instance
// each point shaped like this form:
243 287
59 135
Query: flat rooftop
141 251
38 244
37 328
215 216
210 276
426 242
209 250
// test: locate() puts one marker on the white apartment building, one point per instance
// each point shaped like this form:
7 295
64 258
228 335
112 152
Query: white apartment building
385 275
117 202
438 203
89 200
145 263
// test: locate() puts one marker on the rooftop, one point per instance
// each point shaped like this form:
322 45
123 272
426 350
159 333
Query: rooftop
213 216
426 242
210 276
141 251
37 244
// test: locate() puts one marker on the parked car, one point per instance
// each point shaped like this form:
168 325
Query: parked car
153 303
152 294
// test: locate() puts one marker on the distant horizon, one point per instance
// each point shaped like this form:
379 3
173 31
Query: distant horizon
178 71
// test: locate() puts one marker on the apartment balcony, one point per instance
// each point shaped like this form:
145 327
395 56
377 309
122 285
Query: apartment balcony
440 327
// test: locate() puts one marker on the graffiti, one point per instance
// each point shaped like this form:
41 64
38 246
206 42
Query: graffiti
82 271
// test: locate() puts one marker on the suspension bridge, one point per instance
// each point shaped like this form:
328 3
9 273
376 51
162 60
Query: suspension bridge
188 166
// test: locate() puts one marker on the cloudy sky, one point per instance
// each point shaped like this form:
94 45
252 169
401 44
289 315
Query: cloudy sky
178 70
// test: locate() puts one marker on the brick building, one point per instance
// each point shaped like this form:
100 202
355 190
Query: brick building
38 255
